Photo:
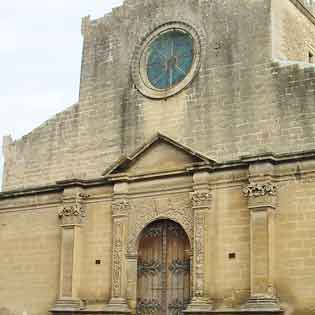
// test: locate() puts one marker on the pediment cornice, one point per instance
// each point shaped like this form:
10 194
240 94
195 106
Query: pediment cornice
167 157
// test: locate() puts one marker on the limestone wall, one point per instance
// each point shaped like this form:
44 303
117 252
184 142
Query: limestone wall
232 236
30 255
293 31
112 117
31 238
95 285
295 256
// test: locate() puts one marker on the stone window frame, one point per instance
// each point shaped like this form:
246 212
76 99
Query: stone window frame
138 69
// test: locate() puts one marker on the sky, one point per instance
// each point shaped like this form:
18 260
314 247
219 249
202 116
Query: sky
40 57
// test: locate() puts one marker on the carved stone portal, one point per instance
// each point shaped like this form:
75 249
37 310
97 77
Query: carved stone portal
145 211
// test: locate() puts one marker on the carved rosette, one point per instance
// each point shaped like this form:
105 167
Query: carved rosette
261 194
201 199
74 213
148 210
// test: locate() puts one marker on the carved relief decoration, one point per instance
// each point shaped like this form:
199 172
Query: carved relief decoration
200 199
120 207
259 190
117 258
147 210
199 254
74 210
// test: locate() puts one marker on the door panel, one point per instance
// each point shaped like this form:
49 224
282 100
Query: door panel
163 270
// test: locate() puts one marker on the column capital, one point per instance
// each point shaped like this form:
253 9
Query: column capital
73 210
120 207
261 195
201 199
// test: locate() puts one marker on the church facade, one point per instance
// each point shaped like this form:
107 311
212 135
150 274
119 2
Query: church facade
182 181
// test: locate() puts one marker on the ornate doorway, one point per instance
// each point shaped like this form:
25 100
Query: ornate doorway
163 281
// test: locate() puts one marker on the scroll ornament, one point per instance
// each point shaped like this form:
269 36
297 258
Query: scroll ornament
260 190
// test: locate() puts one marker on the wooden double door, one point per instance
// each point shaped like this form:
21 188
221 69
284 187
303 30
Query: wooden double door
163 286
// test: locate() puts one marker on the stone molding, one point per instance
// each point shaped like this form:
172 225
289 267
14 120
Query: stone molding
242 163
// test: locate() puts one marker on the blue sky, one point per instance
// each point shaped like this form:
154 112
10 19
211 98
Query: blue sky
40 56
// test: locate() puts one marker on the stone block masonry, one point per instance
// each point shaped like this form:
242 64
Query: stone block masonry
240 103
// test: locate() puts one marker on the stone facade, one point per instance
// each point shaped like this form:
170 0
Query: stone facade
230 158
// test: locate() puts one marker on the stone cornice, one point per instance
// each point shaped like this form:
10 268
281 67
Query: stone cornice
57 188
242 163
31 191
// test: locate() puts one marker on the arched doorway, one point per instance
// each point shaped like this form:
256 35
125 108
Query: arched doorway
163 280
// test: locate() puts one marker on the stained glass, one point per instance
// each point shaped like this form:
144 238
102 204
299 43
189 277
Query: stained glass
169 59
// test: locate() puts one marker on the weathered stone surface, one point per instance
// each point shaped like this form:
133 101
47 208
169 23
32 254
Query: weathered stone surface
240 103
247 118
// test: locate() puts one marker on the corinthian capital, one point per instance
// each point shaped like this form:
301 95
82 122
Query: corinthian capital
260 189
261 195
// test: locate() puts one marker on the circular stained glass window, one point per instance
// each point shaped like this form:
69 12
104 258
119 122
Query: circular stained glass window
169 59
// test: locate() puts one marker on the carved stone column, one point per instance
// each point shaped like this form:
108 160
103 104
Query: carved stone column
201 204
71 216
132 273
120 210
262 202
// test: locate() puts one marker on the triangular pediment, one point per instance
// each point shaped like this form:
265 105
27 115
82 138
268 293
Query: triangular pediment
161 154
